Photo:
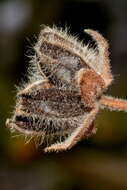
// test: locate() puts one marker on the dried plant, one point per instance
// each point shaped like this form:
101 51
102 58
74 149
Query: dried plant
58 105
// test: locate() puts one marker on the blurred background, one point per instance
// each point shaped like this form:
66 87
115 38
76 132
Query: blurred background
99 163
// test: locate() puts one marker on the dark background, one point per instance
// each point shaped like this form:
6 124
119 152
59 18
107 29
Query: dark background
99 163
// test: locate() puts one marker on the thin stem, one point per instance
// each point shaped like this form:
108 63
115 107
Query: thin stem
113 103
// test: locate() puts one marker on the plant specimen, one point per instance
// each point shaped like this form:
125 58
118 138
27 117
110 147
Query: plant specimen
67 81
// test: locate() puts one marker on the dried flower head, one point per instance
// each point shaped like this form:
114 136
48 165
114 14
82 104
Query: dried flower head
58 105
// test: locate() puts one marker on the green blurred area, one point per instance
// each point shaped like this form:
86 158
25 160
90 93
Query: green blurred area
97 163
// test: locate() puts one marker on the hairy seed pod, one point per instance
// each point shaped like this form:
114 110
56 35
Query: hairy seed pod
59 103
